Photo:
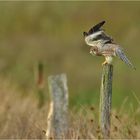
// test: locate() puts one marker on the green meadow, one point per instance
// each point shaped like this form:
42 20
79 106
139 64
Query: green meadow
52 33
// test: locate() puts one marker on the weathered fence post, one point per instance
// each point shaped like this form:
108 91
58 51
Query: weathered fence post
57 117
105 100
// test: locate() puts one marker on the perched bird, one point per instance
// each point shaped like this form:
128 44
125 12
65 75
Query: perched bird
103 45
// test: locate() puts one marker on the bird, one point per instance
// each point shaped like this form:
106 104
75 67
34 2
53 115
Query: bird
104 45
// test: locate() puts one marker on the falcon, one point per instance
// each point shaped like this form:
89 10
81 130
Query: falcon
103 45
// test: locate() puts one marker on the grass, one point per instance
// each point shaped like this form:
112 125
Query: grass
51 32
20 117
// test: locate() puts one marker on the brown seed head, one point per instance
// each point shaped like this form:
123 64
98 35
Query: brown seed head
92 108
43 131
91 120
115 128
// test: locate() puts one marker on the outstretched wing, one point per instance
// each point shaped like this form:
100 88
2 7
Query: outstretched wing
106 37
119 52
96 27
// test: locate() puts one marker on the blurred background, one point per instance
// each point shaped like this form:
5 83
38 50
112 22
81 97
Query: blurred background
52 32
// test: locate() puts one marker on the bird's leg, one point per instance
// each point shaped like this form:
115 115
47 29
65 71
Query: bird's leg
104 63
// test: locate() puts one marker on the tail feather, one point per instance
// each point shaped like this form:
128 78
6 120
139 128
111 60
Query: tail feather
123 57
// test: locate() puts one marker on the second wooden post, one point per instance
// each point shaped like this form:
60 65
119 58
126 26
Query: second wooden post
57 117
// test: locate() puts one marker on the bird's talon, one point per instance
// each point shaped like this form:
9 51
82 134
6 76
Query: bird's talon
104 63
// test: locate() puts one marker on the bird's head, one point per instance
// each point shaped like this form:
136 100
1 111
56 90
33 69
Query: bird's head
93 50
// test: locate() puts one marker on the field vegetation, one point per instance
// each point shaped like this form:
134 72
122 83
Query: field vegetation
51 32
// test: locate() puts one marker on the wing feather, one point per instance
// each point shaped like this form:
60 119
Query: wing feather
96 27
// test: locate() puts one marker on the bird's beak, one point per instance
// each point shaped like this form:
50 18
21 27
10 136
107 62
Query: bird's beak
90 52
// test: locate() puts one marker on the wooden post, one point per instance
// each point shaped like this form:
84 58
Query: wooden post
105 100
57 118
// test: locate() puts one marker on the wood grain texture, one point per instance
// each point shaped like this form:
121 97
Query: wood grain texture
105 100
59 96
